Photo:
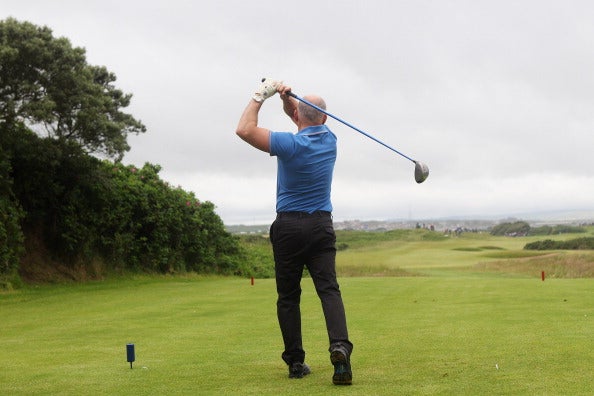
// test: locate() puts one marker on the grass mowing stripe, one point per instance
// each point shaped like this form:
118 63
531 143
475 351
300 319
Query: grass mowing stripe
448 336
220 336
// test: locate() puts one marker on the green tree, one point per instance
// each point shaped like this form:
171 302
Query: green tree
511 229
48 85
11 236
68 211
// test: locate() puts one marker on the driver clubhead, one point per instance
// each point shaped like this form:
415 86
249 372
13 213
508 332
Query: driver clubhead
421 172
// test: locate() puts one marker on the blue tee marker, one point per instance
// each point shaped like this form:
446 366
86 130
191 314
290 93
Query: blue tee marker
130 353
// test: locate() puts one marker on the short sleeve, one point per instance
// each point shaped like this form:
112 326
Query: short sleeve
282 144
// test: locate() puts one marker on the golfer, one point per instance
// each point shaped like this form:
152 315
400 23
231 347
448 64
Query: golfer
302 234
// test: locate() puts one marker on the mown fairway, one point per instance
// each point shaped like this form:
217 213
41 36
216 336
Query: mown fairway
475 319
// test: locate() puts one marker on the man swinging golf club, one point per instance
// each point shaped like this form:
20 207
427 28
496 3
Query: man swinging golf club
302 233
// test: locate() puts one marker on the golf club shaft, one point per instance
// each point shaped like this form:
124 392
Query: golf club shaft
350 125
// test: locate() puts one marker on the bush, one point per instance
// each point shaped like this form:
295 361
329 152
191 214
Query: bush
149 225
522 228
257 260
517 228
11 236
547 244
556 230
542 230
86 210
586 243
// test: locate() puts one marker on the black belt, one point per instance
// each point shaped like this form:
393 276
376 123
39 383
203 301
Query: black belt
299 215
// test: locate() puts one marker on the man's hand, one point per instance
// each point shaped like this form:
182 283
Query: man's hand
289 104
267 89
284 91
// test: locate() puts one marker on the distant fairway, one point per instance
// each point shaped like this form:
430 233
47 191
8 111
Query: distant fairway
472 321
422 253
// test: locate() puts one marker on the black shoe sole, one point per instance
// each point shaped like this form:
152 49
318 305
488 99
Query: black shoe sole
342 370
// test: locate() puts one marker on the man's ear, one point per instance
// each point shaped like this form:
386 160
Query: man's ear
324 119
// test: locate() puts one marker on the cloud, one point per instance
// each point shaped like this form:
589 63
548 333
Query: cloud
494 96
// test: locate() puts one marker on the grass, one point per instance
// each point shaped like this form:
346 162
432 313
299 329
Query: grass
469 323
421 252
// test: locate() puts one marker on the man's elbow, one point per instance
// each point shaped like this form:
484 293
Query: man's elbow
247 134
243 133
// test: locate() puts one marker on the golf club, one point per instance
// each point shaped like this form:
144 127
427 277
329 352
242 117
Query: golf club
421 170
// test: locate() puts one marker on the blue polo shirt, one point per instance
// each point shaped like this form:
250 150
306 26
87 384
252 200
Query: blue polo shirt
305 166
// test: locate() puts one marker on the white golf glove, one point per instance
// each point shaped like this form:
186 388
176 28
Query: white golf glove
266 89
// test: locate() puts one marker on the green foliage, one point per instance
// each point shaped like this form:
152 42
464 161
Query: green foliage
11 236
340 246
518 228
46 82
258 260
586 243
85 210
522 228
555 230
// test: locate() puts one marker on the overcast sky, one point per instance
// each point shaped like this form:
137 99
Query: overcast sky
496 97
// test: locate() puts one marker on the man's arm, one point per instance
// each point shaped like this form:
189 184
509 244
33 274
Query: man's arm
248 128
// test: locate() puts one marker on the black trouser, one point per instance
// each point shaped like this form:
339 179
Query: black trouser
298 240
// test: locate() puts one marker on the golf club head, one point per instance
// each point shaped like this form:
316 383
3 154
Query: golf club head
421 172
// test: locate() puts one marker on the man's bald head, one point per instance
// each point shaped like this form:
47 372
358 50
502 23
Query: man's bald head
310 115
